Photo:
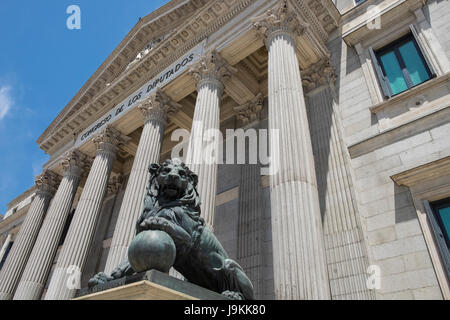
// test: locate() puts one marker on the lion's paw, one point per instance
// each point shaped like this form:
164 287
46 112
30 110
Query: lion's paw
99 278
233 295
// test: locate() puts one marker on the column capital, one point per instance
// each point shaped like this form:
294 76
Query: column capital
158 106
320 74
249 111
109 140
281 19
211 68
46 183
74 163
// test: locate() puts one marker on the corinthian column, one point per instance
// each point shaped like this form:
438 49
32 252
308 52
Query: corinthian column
203 150
155 109
39 264
67 275
298 249
17 258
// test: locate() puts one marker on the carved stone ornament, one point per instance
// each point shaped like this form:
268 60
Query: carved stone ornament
47 182
158 106
109 140
211 67
249 112
280 20
319 74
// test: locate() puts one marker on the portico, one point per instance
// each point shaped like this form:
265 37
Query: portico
199 77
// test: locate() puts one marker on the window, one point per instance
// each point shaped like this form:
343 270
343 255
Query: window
439 216
400 66
357 2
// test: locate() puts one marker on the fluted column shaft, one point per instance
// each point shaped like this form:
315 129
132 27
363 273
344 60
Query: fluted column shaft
39 264
81 232
155 109
298 249
206 117
203 151
18 256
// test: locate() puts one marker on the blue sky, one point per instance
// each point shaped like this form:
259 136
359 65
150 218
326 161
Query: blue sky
42 66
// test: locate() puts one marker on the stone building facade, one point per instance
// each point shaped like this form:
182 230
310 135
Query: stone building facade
357 94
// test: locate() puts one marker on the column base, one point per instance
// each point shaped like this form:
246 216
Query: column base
5 296
28 291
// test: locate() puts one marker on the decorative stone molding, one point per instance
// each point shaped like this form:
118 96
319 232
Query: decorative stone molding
211 68
195 29
321 73
249 112
158 107
109 140
280 20
114 184
74 163
46 183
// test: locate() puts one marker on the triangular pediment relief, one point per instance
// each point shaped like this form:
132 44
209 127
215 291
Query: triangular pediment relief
146 34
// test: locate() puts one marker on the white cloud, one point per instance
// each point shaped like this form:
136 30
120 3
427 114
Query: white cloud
6 101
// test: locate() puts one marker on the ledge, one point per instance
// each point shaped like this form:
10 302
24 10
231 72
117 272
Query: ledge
400 132
402 97
354 27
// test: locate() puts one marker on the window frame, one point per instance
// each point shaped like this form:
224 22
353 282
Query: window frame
439 235
435 206
394 46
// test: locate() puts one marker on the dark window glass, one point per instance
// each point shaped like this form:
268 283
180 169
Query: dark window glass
359 1
403 65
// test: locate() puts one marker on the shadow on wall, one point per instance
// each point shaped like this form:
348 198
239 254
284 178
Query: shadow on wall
403 204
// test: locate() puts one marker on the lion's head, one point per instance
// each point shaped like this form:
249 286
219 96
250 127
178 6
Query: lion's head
172 184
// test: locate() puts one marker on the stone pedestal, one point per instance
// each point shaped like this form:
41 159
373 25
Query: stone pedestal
151 285
142 290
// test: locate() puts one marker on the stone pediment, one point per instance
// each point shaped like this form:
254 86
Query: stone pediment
174 29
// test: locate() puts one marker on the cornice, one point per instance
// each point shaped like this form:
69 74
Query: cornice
205 22
423 173
207 19
175 11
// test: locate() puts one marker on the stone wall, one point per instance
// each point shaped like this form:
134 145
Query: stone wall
388 216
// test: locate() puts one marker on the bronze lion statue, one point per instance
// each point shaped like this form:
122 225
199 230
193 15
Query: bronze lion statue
172 205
